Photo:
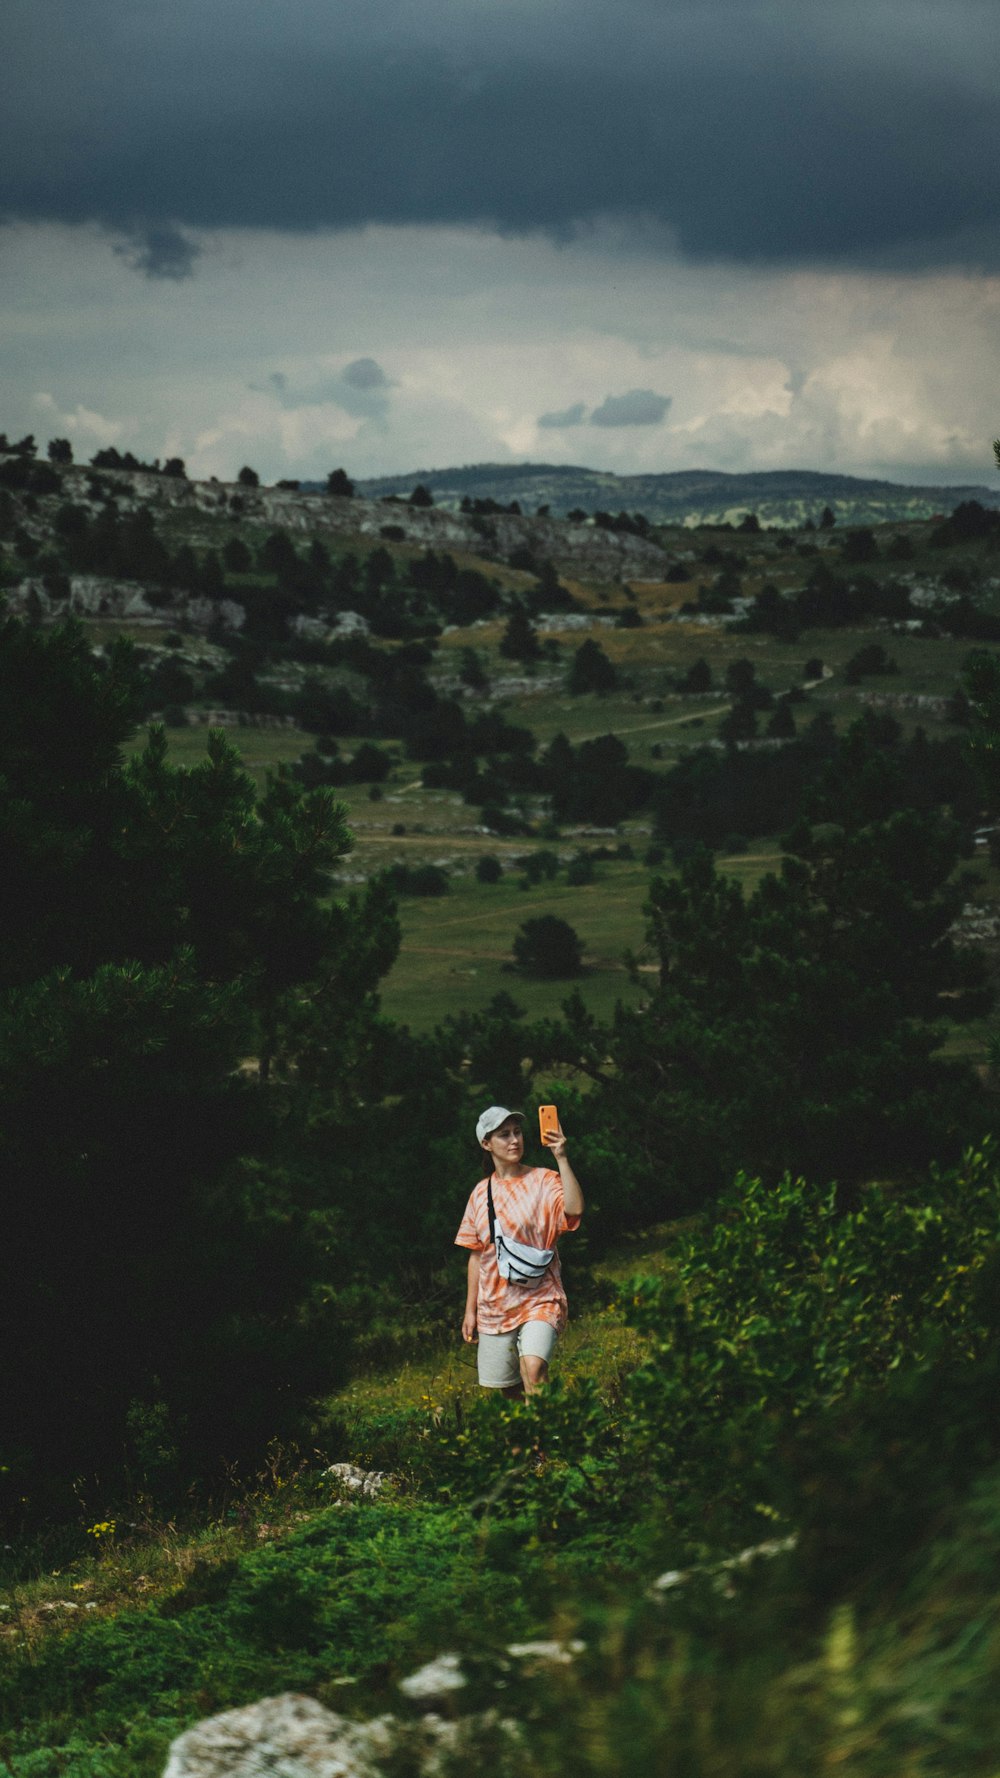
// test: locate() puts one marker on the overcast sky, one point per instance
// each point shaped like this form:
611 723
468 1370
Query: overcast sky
634 234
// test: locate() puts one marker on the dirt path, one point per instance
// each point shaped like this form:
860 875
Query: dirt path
639 728
591 959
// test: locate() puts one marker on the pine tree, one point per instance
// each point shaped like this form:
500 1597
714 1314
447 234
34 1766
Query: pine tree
167 941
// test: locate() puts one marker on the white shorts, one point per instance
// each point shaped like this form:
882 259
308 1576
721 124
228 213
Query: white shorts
499 1353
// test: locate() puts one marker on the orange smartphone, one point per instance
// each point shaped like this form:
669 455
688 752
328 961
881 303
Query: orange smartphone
548 1123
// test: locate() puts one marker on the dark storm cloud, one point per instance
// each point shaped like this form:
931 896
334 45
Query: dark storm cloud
361 389
763 130
570 416
161 252
365 373
640 407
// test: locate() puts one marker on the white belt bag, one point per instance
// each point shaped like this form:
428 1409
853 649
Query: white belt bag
516 1262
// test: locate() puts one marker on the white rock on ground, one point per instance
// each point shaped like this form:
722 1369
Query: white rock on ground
292 1736
289 1736
366 1482
436 1679
720 1571
558 1652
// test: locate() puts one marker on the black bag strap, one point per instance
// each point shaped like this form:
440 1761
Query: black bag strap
492 1212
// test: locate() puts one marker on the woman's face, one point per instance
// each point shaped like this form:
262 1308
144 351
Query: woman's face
506 1142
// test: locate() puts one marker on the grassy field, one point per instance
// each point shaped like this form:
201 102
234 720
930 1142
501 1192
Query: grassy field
456 948
646 713
261 750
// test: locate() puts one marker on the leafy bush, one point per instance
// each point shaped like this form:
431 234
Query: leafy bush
591 670
580 870
872 659
787 1304
548 948
540 866
785 1328
418 879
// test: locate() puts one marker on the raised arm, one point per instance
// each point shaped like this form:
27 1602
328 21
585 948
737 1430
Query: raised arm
572 1189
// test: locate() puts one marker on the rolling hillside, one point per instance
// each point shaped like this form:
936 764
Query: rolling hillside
690 496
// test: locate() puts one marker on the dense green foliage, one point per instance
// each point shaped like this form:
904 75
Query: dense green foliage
174 1247
870 771
784 1323
159 925
793 1027
548 947
815 1380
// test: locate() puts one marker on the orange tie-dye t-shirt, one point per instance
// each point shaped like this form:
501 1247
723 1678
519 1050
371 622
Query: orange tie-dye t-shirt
532 1210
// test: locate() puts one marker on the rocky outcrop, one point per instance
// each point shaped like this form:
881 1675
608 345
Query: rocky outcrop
574 549
91 595
364 1483
88 595
286 1737
292 1736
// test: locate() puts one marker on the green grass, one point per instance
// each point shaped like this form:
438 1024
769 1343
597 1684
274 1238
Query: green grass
117 1564
384 1405
261 750
457 948
114 1560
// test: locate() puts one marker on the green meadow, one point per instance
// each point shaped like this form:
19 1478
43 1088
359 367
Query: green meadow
456 949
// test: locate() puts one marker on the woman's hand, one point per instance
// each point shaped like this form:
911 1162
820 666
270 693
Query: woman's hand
556 1146
469 1326
572 1192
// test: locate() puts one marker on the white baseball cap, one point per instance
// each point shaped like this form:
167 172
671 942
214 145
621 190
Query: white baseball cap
492 1118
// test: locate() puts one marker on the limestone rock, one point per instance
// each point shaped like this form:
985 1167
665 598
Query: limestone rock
289 1736
292 1736
559 1654
366 1482
436 1679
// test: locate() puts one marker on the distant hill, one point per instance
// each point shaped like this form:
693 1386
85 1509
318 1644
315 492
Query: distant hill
688 497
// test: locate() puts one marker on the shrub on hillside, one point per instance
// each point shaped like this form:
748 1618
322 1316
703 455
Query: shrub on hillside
548 948
872 660
591 670
787 1332
418 879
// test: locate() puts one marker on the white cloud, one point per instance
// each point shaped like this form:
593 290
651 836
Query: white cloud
257 358
80 423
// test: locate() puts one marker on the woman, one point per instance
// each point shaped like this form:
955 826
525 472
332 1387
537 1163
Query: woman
517 1324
